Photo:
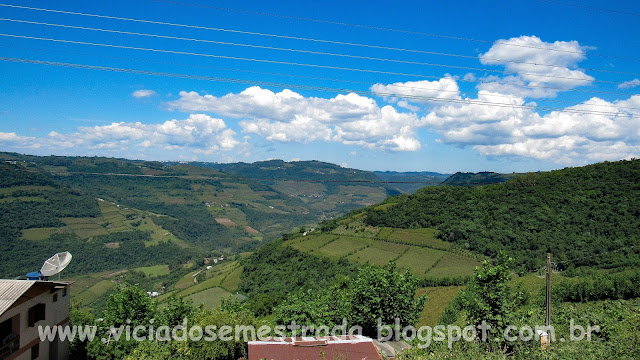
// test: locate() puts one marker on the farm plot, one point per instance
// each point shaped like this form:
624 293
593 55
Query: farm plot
452 265
312 242
343 246
418 237
379 253
418 260
439 298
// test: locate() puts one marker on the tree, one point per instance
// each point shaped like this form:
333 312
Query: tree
383 293
128 306
489 299
327 307
176 310
79 317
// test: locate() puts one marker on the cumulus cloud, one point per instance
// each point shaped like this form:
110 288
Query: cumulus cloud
15 140
629 84
419 91
500 121
538 64
139 94
287 116
199 133
593 130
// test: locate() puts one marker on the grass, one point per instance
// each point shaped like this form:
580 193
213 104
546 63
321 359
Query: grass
418 237
214 278
439 298
94 292
37 234
185 281
343 246
312 242
78 285
453 265
418 260
154 271
534 284
89 231
379 253
210 298
232 280
207 284
384 233
357 228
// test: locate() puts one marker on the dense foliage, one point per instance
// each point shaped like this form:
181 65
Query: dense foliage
382 294
489 300
617 286
274 271
574 213
375 294
41 203
481 178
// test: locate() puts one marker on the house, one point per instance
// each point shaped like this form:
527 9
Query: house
24 306
344 347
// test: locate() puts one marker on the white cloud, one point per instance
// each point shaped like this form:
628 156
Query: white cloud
11 139
139 94
594 130
419 91
538 64
287 116
629 84
199 134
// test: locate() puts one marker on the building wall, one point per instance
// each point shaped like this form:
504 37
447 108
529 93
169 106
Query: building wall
56 313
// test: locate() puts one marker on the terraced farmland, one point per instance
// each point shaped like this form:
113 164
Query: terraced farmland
379 253
419 260
453 265
418 237
342 246
439 298
414 249
211 298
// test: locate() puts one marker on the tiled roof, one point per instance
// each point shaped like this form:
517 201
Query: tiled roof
351 347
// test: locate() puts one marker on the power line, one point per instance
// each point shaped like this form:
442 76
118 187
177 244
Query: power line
311 52
369 84
318 40
306 87
590 7
293 63
502 42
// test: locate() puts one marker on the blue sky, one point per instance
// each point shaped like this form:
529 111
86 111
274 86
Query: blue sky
429 85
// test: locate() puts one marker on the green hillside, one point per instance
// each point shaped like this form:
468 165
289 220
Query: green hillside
41 216
410 182
481 178
326 189
575 213
125 216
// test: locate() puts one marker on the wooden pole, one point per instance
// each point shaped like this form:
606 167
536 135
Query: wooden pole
548 310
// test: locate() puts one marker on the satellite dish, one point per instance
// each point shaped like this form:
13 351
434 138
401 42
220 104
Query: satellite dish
55 264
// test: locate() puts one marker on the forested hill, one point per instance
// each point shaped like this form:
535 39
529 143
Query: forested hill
586 216
481 178
293 170
410 182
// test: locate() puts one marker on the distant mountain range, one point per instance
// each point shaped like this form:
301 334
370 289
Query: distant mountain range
197 207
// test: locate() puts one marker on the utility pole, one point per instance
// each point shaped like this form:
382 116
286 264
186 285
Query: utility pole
548 312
